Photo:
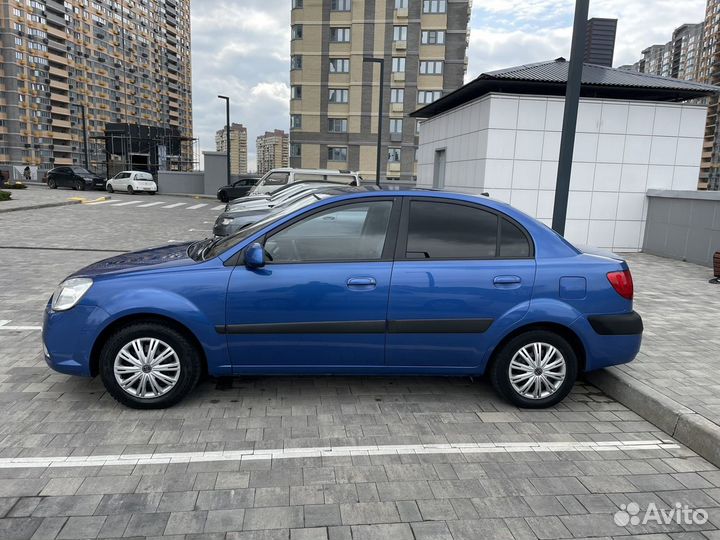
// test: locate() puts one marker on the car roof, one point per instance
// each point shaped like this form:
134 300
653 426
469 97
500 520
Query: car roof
323 171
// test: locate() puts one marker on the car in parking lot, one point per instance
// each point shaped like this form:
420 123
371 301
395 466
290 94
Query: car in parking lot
77 178
368 283
276 178
239 188
132 182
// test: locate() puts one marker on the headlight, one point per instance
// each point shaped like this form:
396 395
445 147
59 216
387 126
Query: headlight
227 221
69 293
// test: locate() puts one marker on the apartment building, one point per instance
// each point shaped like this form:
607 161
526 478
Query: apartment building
238 147
679 58
600 41
710 73
334 93
272 150
125 62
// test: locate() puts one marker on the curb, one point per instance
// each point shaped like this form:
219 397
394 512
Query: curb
36 206
683 424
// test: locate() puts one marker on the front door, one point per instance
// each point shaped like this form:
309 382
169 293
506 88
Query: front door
321 300
459 269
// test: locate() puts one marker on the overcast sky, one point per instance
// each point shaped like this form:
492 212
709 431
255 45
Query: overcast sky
241 48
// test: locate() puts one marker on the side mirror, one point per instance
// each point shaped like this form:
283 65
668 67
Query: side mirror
255 256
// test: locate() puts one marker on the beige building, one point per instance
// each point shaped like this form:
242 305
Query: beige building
272 150
710 73
238 147
126 62
334 94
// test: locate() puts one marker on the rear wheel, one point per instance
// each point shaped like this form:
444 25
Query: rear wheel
535 370
109 188
130 190
149 366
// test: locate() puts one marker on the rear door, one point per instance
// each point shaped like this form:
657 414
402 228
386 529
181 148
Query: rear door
462 271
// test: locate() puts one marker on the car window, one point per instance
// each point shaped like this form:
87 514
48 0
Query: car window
309 177
340 178
353 232
513 242
143 176
277 179
438 230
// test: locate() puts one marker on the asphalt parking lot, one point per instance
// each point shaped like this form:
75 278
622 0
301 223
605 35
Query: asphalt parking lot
332 458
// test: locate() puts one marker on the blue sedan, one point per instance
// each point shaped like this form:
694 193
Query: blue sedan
373 283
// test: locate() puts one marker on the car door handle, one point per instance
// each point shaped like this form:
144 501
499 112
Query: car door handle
361 283
507 281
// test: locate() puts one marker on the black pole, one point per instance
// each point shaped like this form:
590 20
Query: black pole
227 134
380 61
85 141
572 100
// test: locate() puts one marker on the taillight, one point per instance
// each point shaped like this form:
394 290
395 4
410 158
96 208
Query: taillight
622 282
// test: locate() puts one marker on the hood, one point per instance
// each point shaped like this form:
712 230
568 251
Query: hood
147 259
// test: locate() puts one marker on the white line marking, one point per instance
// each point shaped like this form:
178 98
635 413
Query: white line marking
126 203
147 205
174 205
108 201
2 323
218 207
195 206
5 326
333 451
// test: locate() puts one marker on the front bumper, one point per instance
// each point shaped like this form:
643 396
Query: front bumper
68 338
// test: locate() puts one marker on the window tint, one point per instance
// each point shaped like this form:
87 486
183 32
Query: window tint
450 231
513 242
277 179
353 232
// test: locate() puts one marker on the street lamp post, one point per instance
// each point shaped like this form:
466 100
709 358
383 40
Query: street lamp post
227 134
381 61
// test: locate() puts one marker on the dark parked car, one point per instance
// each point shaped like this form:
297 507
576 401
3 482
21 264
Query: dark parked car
74 177
239 188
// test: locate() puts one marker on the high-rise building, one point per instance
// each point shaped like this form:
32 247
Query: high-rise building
238 147
710 73
687 44
657 60
272 150
126 62
334 92
600 41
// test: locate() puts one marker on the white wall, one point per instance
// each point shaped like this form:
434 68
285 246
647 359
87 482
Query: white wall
508 145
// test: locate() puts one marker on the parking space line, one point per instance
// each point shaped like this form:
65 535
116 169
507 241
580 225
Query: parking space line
219 207
174 205
335 451
4 325
106 201
127 203
196 206
147 205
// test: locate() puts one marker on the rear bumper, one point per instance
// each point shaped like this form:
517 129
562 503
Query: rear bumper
625 324
609 340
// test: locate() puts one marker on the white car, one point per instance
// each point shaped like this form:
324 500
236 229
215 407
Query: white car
132 182
277 178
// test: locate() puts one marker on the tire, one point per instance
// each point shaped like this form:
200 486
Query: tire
51 183
152 192
500 370
186 356
223 196
109 188
79 185
130 190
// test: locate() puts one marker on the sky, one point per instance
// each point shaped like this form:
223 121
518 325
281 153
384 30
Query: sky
241 48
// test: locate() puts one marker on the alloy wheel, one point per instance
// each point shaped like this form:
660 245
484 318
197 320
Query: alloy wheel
537 370
147 368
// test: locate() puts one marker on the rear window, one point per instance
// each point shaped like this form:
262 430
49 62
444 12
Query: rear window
144 176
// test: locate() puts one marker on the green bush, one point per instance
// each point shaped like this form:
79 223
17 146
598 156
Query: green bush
4 196
15 185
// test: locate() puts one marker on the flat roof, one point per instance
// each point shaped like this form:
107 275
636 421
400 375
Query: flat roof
550 79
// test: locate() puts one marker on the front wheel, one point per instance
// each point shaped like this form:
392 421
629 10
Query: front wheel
535 370
223 196
148 365
79 185
51 183
130 190
109 188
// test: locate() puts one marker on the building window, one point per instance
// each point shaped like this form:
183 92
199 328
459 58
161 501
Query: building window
295 121
397 95
297 31
340 5
339 65
297 4
296 92
431 67
428 96
394 155
338 95
295 150
401 4
396 125
337 153
398 65
399 33
296 61
340 35
434 6
432 37
337 125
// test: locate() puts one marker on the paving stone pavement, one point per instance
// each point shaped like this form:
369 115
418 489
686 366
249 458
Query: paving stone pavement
460 496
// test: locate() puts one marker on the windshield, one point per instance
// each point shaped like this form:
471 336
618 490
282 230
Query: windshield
221 245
